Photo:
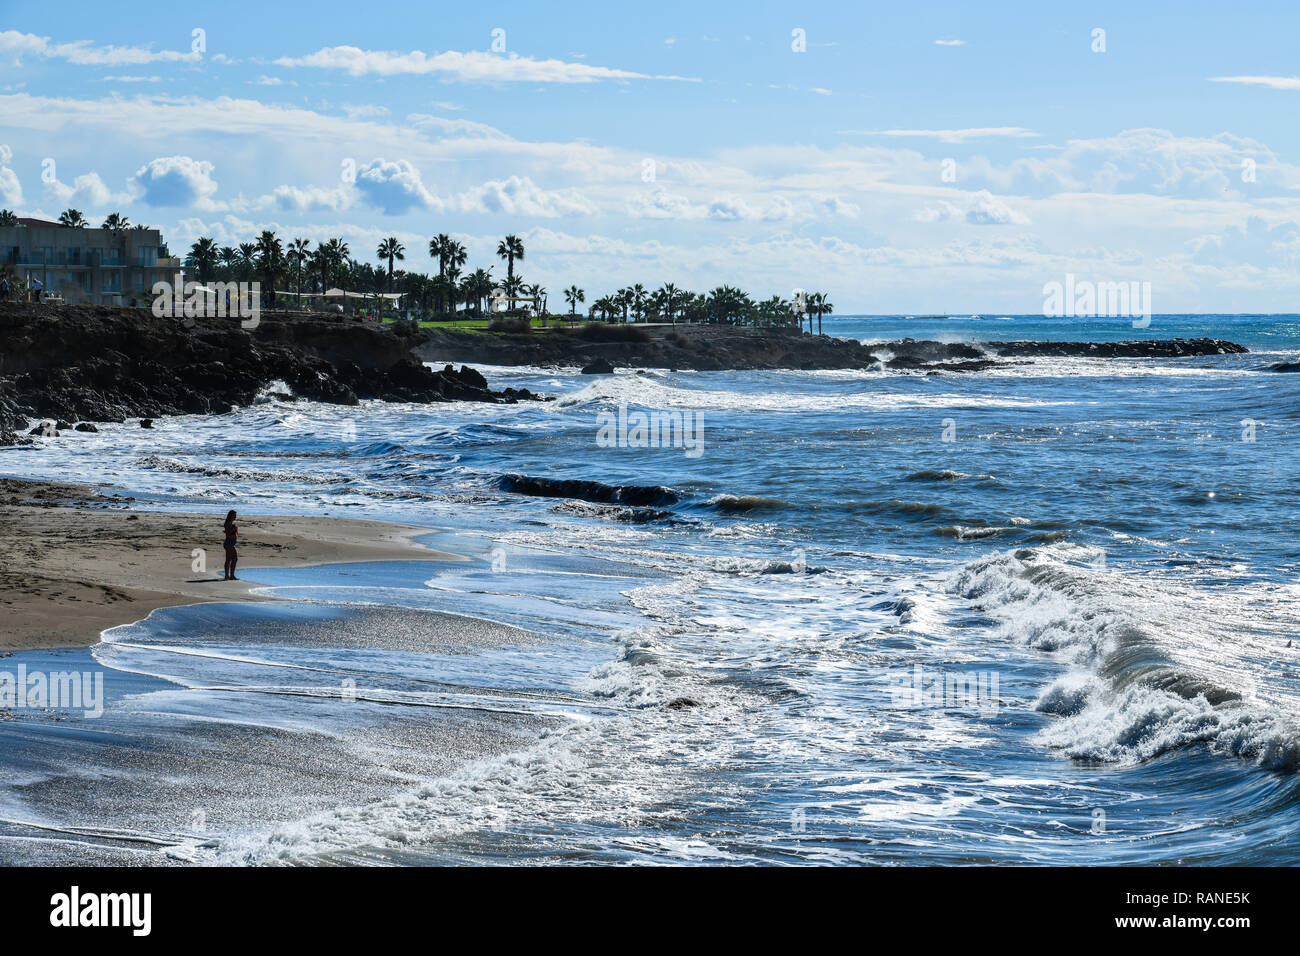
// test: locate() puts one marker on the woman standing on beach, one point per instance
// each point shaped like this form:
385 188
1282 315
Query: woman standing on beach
232 537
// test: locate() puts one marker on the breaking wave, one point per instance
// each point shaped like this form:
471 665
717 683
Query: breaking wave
1144 678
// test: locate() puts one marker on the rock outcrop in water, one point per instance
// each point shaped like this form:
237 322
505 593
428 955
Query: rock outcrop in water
100 364
717 347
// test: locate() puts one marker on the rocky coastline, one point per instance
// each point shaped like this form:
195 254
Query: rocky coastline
720 348
69 367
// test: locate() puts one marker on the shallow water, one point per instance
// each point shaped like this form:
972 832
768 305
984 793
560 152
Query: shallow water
730 657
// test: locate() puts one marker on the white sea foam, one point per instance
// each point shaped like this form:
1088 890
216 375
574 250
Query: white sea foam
652 393
1156 665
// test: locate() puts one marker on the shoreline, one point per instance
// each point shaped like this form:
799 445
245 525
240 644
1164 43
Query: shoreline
80 562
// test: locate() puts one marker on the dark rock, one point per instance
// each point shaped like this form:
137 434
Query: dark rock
724 347
86 427
106 364
678 703
1285 367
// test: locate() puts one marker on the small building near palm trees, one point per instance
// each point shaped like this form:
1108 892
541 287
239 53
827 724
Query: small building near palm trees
98 266
343 298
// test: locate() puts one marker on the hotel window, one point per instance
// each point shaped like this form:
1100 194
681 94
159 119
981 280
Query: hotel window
148 256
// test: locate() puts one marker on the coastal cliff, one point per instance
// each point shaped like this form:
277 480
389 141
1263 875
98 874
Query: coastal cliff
85 364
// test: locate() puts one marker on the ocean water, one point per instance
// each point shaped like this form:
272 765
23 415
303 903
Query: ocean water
1045 614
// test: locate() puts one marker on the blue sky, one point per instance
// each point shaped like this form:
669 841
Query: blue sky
921 158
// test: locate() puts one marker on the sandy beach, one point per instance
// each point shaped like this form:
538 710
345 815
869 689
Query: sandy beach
76 562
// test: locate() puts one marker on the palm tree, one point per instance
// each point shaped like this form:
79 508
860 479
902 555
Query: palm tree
725 304
469 291
451 287
247 251
340 262
449 253
441 292
456 254
438 250
116 221
669 292
775 311
479 283
390 249
73 219
510 248
8 218
622 300
270 261
227 256
573 295
817 303
203 254
513 286
298 254
535 292
319 264
638 294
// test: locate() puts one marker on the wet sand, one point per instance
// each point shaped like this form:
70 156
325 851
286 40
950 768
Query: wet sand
74 562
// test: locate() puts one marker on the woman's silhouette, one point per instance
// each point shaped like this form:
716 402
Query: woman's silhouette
232 538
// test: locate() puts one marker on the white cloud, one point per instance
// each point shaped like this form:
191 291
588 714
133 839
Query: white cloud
441 124
394 187
474 66
520 196
988 210
87 191
130 79
663 204
365 110
949 42
1126 201
1257 243
312 198
942 211
11 191
950 135
82 53
1276 82
981 209
176 181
